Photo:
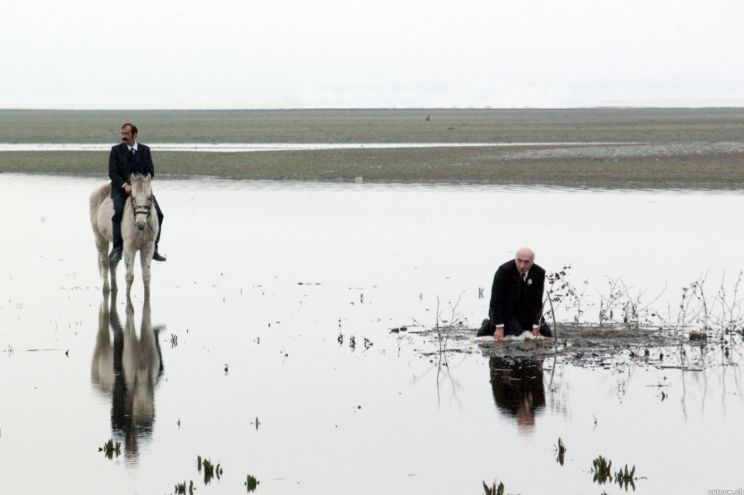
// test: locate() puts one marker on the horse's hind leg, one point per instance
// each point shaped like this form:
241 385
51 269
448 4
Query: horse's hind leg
103 262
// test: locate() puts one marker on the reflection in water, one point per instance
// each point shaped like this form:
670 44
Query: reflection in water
102 367
518 390
128 370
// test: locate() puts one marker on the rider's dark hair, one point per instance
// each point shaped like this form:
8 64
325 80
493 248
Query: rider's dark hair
131 126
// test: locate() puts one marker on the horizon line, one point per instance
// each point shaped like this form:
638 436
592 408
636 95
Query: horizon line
289 109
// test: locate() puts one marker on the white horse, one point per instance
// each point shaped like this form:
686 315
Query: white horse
139 229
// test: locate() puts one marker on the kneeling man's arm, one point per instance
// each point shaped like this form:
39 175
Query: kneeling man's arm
498 299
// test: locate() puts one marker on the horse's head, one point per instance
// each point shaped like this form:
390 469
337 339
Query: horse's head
141 199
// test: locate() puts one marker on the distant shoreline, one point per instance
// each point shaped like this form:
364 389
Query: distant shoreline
382 126
261 147
374 109
599 148
711 171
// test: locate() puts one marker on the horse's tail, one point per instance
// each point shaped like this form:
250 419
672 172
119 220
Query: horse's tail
97 197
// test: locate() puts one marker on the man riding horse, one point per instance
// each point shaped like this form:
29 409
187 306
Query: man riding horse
128 158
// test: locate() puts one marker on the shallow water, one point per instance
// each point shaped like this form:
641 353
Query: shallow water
262 279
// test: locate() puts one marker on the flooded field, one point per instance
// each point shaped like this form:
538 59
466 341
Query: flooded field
272 345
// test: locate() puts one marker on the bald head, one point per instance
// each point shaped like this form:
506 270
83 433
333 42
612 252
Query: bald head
524 259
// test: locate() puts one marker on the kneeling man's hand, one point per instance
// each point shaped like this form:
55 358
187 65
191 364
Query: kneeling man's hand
499 334
536 330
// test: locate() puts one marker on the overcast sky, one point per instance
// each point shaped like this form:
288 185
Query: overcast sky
382 53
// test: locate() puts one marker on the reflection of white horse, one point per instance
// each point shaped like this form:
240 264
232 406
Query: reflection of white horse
139 229
141 366
127 370
102 372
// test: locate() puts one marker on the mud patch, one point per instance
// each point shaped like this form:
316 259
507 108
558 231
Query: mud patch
597 347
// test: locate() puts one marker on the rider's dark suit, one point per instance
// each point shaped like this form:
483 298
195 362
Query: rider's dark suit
124 162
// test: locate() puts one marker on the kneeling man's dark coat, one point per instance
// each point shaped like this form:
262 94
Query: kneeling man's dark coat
516 298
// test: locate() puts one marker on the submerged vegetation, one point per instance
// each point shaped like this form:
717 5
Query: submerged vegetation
602 471
561 450
210 470
624 477
493 489
111 449
180 488
251 483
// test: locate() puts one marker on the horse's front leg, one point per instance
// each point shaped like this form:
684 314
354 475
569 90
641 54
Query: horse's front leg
146 260
112 273
129 253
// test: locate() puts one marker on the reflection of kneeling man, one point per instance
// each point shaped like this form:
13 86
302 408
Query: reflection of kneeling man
518 389
516 299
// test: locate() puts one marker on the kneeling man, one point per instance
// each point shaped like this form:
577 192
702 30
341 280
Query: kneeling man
516 299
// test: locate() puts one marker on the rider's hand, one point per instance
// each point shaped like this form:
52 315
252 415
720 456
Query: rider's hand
499 334
127 188
536 330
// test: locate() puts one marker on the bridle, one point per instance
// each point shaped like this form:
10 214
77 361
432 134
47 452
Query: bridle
145 209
